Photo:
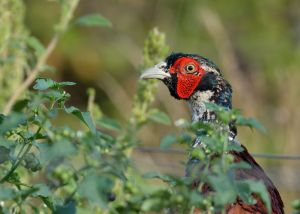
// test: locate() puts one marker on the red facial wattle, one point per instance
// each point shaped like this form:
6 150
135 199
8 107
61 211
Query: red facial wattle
186 82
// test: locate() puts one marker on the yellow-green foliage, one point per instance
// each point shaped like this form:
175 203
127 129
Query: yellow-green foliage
155 50
12 47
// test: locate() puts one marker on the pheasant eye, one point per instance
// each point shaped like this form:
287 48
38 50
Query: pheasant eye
190 68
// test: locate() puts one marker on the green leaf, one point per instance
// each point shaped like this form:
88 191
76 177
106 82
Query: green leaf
54 151
43 84
46 83
4 154
198 153
6 193
235 147
43 190
224 115
214 107
93 20
96 188
165 178
224 189
6 143
56 95
11 121
240 165
20 105
201 128
52 113
67 83
167 141
257 187
296 205
68 208
151 204
159 117
85 117
252 123
31 162
109 124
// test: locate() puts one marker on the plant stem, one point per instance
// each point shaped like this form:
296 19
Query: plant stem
42 59
19 160
17 163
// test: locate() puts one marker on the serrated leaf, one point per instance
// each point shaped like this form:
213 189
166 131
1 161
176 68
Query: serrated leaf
252 123
257 187
93 20
260 189
159 117
85 117
167 141
245 193
43 84
46 83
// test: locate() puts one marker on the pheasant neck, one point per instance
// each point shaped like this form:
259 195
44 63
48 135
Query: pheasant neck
197 104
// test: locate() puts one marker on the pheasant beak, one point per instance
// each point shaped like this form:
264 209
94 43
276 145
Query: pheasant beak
159 71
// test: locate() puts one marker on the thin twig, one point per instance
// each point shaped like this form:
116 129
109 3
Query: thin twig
32 76
17 163
42 59
20 159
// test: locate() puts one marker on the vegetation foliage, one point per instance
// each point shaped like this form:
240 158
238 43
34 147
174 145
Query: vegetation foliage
47 167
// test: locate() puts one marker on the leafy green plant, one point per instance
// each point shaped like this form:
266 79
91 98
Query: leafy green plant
47 167
211 163
50 167
296 206
36 148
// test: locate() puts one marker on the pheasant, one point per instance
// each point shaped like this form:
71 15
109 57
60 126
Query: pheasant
197 80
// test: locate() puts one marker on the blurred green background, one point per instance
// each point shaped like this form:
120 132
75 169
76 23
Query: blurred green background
255 43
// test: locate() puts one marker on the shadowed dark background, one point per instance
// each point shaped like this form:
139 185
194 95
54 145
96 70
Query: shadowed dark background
255 43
